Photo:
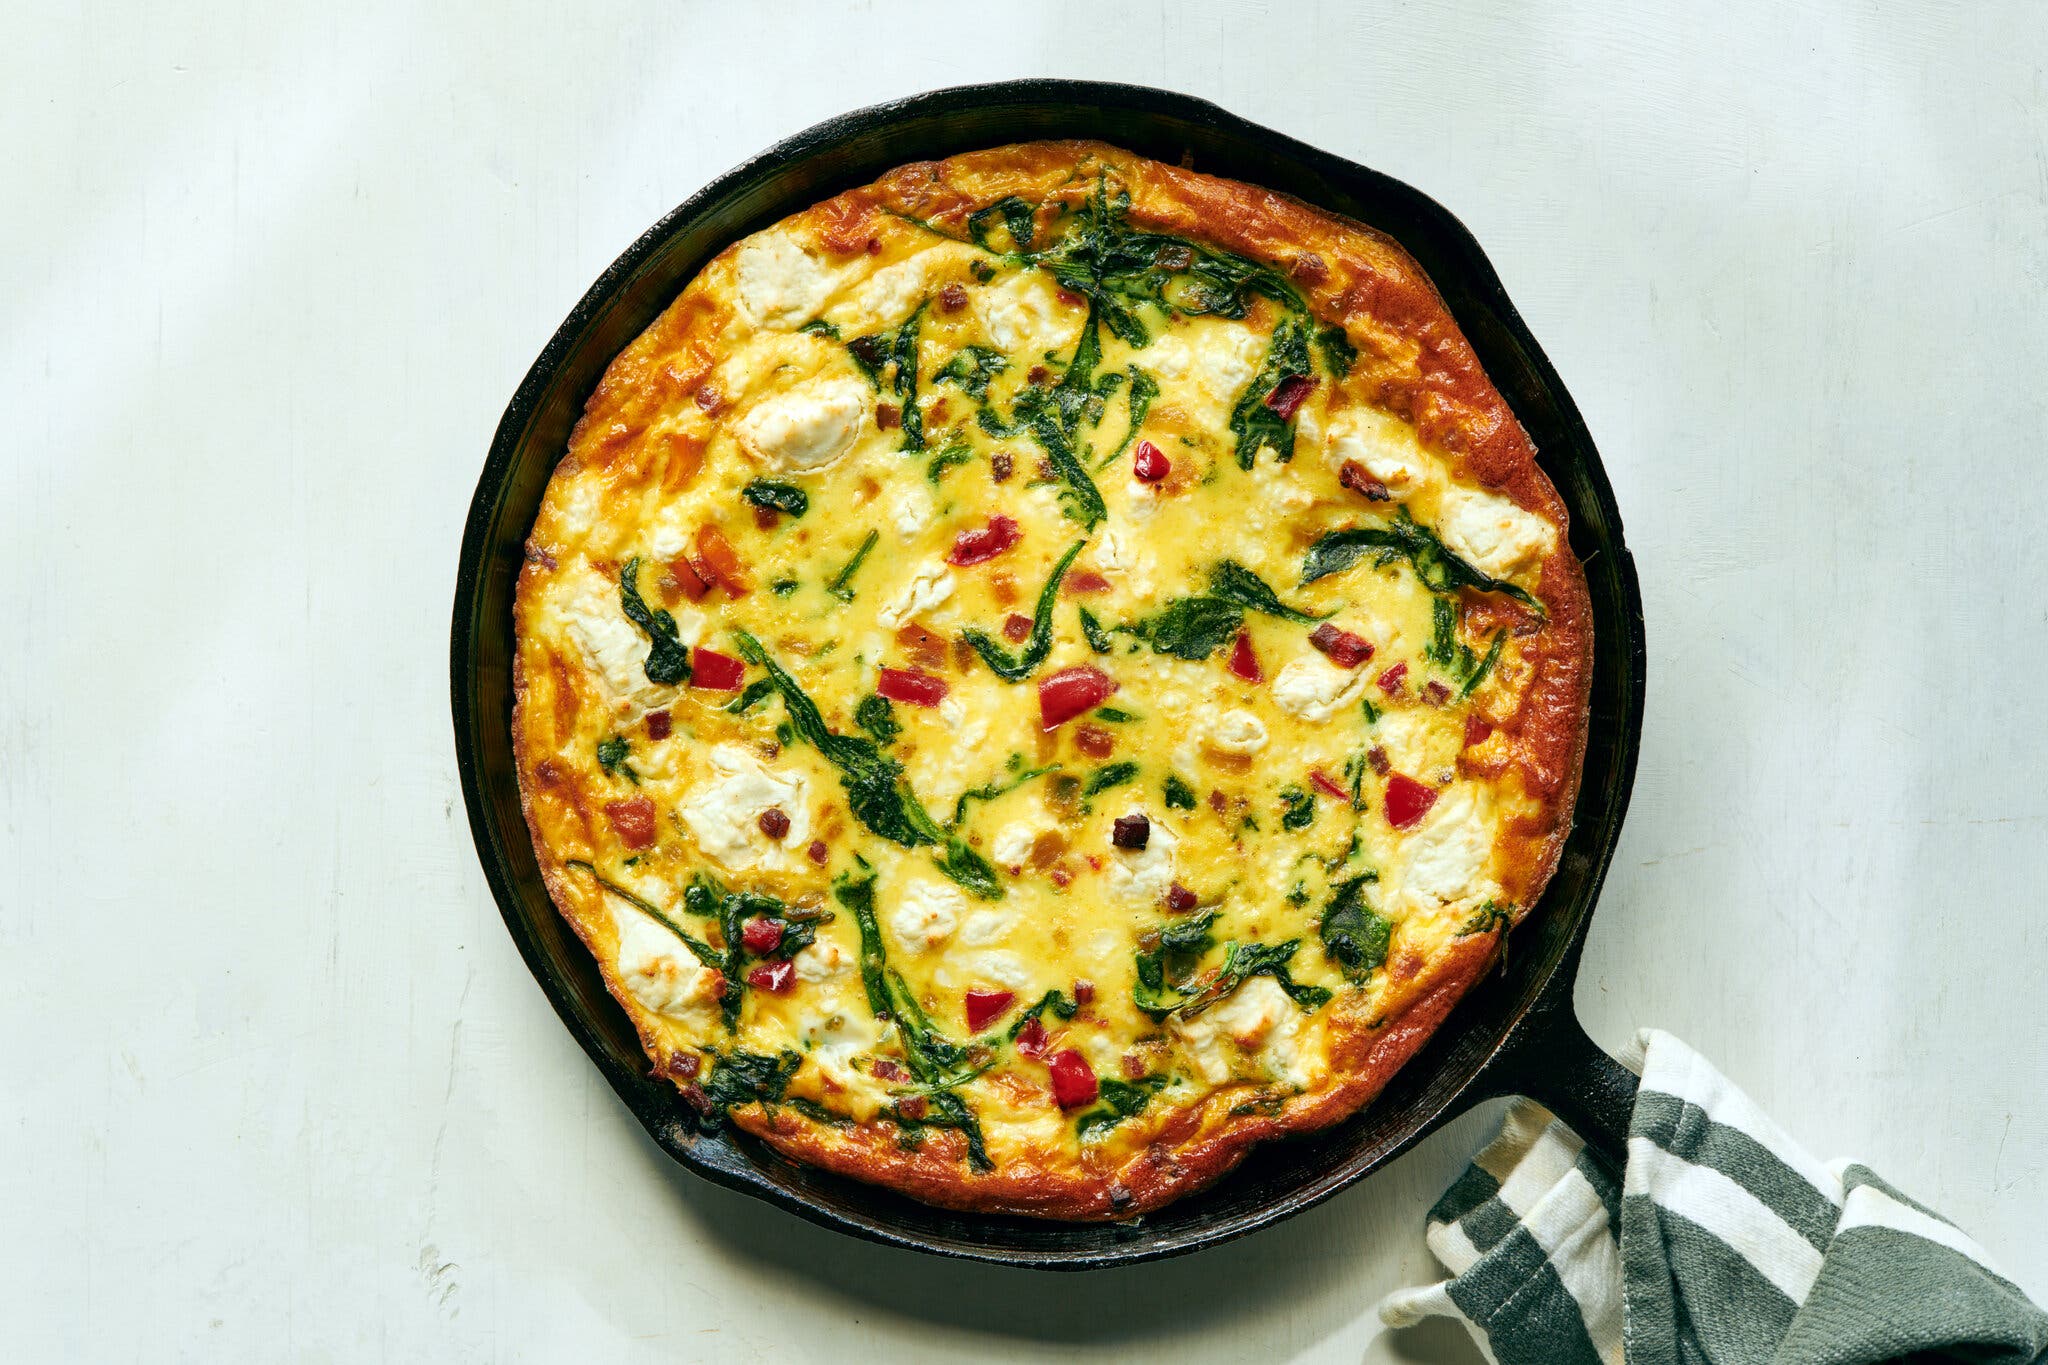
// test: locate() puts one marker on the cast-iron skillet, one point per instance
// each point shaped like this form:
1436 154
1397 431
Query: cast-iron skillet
1513 1034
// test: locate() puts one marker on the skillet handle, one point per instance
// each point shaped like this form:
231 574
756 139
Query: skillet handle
1550 1059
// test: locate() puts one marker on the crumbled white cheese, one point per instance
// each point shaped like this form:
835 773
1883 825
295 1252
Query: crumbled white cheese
807 426
1228 355
1006 970
1144 874
1312 687
888 295
1447 855
1490 532
1023 315
912 510
780 283
1012 844
952 710
1384 445
1256 1028
725 816
833 1042
1419 740
984 927
925 913
613 646
932 585
822 961
658 971
1167 357
1238 731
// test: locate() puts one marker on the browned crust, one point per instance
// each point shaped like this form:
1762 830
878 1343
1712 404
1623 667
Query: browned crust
1422 369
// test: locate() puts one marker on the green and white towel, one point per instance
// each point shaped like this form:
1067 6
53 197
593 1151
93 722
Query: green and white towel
1723 1242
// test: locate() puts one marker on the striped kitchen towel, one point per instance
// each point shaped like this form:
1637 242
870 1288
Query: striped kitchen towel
1722 1242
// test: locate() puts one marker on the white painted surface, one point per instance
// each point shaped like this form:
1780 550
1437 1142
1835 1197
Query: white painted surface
275 1084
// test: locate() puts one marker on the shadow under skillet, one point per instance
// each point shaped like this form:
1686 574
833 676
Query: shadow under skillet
1298 1270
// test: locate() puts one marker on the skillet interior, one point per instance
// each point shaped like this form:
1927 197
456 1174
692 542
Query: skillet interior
1467 1060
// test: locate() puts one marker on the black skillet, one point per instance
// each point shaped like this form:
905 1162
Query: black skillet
1515 1033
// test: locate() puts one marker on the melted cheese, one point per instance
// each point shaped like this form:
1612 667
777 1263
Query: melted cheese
806 428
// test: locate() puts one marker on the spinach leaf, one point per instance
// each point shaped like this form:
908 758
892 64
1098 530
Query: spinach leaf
838 587
612 754
1402 538
938 1063
1115 715
1164 986
1016 668
818 327
955 451
668 658
1018 215
1052 1001
989 791
1107 776
1488 917
1144 388
1179 795
1233 582
1092 631
973 369
892 356
1040 412
1298 808
1478 674
1339 355
1257 426
876 716
818 1113
746 1077
1120 1100
747 700
1192 628
875 790
1354 934
783 497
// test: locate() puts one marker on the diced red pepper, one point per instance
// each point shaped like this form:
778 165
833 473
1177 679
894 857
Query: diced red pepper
1326 785
1149 464
1477 730
1094 741
1435 692
1073 1080
1354 477
911 687
1084 991
1180 900
634 821
715 672
1407 801
984 1007
1377 757
1084 581
761 935
688 581
715 552
773 823
659 724
1071 691
1243 662
1344 649
889 1070
773 977
1031 1038
1391 680
1016 627
817 852
978 547
1289 394
913 1106
1133 831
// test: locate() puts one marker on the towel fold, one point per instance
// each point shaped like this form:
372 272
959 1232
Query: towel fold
1722 1241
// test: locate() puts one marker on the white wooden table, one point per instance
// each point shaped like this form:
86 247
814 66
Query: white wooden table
276 1085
